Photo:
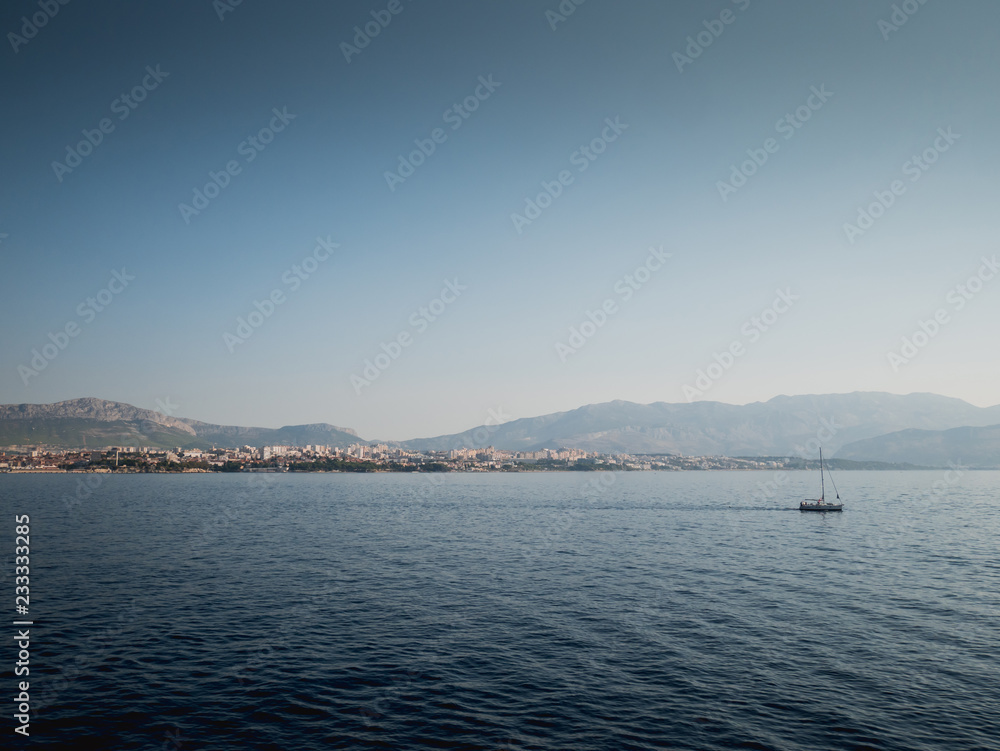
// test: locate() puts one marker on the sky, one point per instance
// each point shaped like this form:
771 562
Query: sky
411 217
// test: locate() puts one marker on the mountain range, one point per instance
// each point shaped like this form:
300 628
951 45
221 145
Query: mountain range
96 422
975 448
925 429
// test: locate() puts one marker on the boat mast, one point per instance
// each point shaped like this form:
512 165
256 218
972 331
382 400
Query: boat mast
822 485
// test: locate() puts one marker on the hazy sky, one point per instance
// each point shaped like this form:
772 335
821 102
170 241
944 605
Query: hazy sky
165 169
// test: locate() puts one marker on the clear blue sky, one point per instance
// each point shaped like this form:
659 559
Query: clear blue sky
884 93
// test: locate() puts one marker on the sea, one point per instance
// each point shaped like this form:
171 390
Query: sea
493 611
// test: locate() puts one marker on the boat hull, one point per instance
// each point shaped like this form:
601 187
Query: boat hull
821 507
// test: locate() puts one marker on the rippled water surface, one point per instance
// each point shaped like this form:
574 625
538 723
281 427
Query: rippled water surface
527 611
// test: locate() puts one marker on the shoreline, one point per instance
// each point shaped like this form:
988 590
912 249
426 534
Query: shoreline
29 471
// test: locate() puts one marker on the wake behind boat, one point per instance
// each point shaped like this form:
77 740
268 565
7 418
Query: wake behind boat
820 504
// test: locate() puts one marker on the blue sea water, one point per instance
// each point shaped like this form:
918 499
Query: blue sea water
510 611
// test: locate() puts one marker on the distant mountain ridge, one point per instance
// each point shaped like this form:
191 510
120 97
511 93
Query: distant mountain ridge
97 422
784 425
89 408
972 447
863 426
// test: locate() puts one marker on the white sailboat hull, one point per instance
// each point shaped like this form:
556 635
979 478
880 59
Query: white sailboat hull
820 506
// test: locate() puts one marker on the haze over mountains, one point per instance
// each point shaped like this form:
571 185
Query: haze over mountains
925 429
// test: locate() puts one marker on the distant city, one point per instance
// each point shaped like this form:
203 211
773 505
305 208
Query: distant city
380 458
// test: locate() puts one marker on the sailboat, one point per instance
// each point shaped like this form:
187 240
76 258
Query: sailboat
821 504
